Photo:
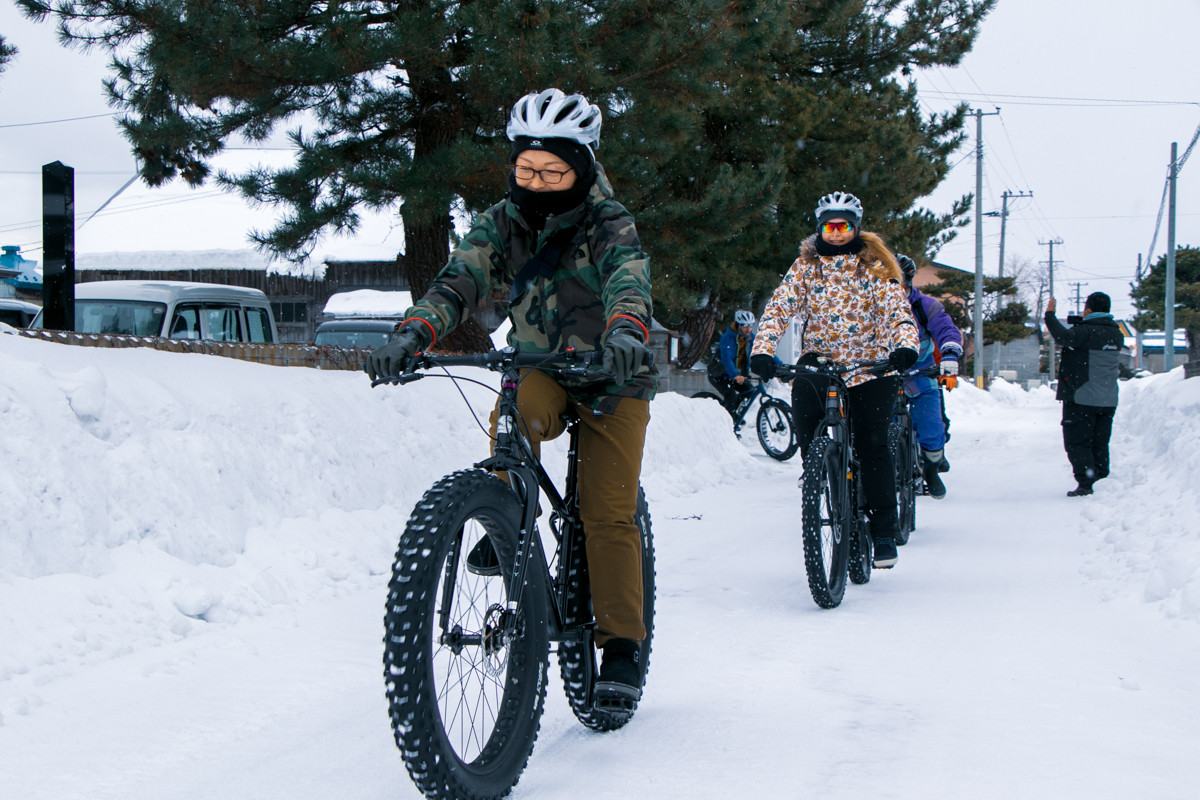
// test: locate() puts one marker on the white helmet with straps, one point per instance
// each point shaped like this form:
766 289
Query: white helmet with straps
552 114
743 318
839 203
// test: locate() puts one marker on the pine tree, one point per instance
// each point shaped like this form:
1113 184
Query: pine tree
1003 321
725 120
1149 296
7 52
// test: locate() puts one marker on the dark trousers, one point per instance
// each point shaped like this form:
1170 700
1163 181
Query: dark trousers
870 410
731 391
1086 431
610 464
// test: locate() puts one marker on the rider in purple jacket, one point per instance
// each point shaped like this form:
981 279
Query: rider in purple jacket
939 334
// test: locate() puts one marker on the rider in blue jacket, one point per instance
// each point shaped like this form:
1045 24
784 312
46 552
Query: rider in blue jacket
941 342
729 372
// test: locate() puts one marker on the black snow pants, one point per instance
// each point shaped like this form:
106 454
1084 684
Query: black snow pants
1086 431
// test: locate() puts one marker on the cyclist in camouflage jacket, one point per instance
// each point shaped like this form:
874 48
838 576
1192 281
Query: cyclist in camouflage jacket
601 276
563 258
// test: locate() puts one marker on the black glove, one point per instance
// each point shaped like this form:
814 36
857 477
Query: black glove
393 358
902 358
763 366
624 351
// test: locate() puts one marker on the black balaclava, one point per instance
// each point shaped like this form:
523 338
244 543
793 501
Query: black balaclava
536 206
851 247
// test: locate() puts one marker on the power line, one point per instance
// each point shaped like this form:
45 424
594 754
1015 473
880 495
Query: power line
1044 100
1162 205
55 121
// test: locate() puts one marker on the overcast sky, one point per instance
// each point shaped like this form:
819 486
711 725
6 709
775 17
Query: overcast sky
1091 94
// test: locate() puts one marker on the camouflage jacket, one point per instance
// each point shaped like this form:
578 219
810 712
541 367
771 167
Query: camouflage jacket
852 307
601 276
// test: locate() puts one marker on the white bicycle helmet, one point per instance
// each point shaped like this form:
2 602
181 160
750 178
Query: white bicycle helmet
743 318
839 203
552 114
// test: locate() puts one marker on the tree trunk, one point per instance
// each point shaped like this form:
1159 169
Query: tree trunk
696 334
428 248
427 229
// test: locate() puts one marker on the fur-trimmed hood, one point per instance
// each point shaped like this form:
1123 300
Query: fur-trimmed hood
875 256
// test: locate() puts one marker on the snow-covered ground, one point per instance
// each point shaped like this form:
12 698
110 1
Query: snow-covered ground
194 554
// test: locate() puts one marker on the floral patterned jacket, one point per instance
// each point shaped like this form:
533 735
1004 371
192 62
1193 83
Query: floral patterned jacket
850 307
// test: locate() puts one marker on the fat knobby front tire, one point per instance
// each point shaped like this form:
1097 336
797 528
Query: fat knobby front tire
465 676
826 522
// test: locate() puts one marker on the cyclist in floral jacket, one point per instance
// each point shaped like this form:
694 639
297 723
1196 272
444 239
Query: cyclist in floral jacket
563 258
845 291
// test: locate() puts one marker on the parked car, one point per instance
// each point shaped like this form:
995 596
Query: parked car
17 313
355 332
173 309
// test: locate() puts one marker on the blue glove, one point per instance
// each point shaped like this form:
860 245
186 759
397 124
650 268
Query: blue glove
763 366
624 351
393 358
902 358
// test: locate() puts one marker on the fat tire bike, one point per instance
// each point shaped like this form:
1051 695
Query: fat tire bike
837 541
466 653
773 423
906 456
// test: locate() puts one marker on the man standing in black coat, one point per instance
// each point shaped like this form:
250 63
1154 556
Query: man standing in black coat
1087 387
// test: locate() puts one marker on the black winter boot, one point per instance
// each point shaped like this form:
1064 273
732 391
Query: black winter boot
883 535
620 684
930 468
482 560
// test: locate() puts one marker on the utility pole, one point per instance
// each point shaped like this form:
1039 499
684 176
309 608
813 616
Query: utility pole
1139 361
1050 342
977 322
1078 295
1003 214
1169 311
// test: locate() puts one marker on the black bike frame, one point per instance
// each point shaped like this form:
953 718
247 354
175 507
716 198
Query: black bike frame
836 425
514 456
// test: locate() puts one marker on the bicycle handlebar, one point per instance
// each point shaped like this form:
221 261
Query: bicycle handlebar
825 366
569 363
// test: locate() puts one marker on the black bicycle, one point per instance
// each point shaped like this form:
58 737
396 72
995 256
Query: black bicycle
837 540
466 649
773 422
906 456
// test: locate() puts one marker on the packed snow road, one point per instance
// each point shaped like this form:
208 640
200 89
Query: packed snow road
1026 645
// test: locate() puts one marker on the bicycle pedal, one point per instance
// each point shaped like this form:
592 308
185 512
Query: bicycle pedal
616 698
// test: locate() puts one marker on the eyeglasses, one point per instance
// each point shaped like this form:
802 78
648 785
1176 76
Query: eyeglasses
548 176
837 227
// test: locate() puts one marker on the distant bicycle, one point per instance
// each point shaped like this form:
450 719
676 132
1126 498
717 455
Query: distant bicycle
906 456
837 542
773 422
466 649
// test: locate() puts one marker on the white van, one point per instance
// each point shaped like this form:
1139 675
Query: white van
174 310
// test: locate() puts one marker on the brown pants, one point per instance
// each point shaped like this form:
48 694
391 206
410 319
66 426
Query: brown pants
610 463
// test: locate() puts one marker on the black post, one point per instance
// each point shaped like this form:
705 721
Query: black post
58 247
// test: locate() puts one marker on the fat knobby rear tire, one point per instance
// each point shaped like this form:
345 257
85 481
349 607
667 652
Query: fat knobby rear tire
577 660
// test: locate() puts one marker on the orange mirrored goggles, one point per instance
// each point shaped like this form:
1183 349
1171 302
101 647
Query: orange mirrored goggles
837 227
